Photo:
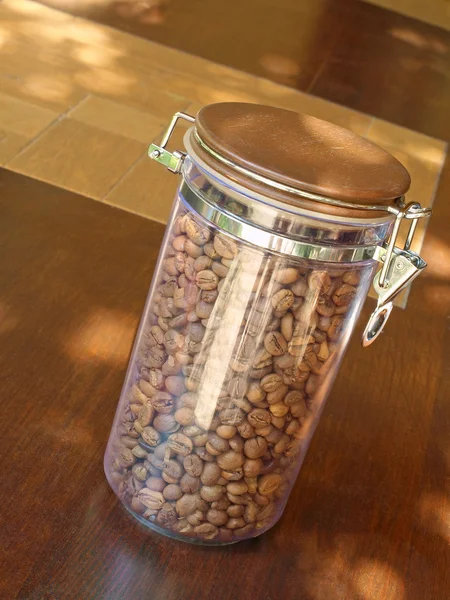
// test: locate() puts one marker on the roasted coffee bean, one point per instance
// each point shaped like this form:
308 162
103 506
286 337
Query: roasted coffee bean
231 416
193 465
165 423
217 517
162 402
172 469
258 417
211 473
207 280
212 493
172 492
189 484
186 505
226 431
268 484
275 343
252 467
195 232
230 460
167 516
208 531
233 475
185 416
150 436
216 445
282 300
180 444
151 499
344 294
255 447
225 246
255 393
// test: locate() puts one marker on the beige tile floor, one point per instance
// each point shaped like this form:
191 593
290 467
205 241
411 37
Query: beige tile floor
80 103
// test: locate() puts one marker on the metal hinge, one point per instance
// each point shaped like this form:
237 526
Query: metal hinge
400 267
171 160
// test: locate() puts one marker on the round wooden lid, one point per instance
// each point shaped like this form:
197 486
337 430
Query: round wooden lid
298 151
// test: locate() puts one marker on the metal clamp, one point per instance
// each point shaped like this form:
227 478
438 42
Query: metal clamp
171 160
400 267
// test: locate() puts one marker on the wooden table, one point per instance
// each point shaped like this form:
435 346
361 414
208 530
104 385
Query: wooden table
369 518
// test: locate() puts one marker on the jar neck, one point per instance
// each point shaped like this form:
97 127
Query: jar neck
271 225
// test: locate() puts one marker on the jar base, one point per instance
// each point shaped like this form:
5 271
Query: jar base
177 536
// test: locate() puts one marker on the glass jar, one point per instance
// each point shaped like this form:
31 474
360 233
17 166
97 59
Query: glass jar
262 274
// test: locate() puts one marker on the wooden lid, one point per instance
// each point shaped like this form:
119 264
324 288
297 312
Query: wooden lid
298 151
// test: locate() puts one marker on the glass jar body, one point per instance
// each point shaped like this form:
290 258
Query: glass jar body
236 353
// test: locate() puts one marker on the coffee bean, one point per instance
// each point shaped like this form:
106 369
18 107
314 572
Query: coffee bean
235 511
195 232
150 436
259 418
193 465
268 484
211 473
255 393
230 460
172 491
275 343
237 487
226 431
151 499
186 505
344 295
185 416
224 246
162 402
189 484
234 475
282 300
212 493
206 530
207 280
216 445
255 447
287 275
165 424
235 523
180 444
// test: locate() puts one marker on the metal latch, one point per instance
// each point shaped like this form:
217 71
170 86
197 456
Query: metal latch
171 160
400 267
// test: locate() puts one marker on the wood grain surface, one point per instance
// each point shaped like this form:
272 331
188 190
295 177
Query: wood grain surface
369 518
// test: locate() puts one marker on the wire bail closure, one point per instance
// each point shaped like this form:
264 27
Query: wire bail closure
400 265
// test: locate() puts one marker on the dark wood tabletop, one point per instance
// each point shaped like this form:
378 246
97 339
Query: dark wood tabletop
369 517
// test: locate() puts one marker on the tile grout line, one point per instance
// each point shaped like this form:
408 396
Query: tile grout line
58 119
122 177
127 171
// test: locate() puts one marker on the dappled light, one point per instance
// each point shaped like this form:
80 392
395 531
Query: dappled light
9 318
439 250
375 580
434 512
106 335
417 40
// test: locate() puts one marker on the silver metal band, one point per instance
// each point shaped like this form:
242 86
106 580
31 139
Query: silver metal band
267 239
